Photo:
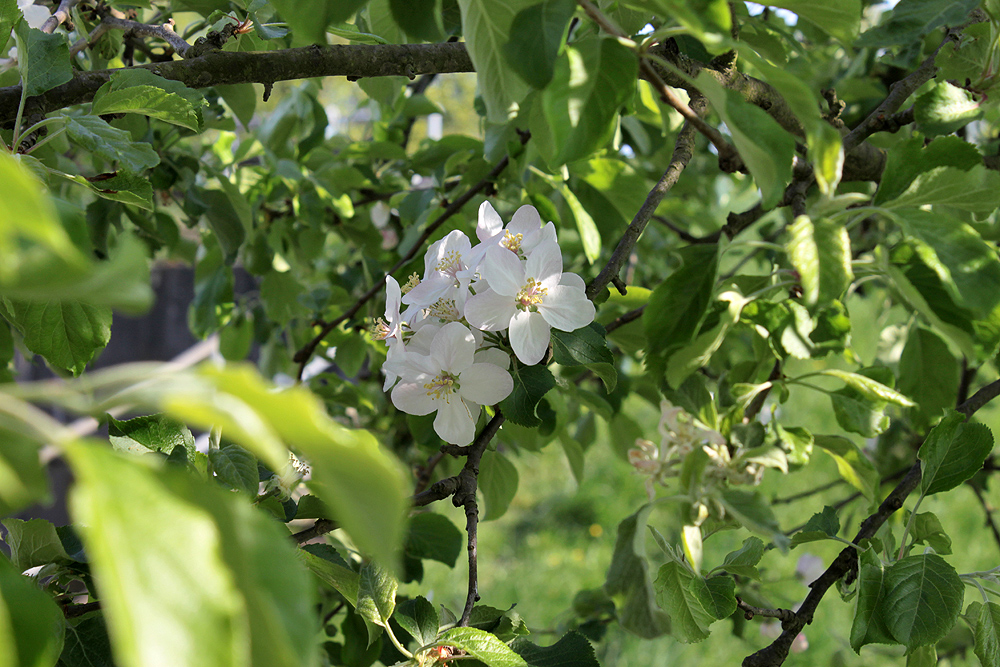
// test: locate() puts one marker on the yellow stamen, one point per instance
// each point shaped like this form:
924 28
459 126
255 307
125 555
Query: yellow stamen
512 242
450 263
531 295
442 386
411 283
380 329
444 309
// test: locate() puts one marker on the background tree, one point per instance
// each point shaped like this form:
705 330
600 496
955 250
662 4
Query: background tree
823 184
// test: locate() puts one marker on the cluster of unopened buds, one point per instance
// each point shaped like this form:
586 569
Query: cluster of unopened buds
680 435
451 333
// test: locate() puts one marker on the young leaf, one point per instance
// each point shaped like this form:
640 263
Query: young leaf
944 109
677 306
498 481
327 565
840 19
142 92
43 59
536 34
869 388
158 433
923 596
376 596
629 583
95 135
852 464
212 567
487 27
434 536
976 190
913 157
820 251
987 633
418 617
31 625
717 595
929 373
67 334
483 646
590 237
820 526
32 543
586 347
927 529
870 617
236 467
689 620
572 649
743 561
593 79
953 451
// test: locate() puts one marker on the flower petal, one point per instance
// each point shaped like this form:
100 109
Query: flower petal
493 355
503 270
490 311
529 336
485 384
455 422
525 221
567 308
490 222
453 348
572 280
545 264
393 297
430 290
413 399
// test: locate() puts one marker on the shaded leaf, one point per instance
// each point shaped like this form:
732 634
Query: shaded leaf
236 467
853 466
530 384
418 617
953 452
434 536
536 34
628 582
586 347
486 27
572 650
923 596
498 480
689 620
31 625
67 334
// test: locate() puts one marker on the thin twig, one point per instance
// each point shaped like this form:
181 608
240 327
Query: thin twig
806 494
164 32
77 610
683 152
424 472
60 16
749 611
622 320
305 353
684 235
988 511
321 527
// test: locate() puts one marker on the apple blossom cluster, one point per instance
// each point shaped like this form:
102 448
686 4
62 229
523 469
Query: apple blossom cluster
451 332
681 434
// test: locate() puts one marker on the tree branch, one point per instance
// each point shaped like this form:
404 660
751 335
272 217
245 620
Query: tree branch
303 355
60 16
321 527
749 611
164 32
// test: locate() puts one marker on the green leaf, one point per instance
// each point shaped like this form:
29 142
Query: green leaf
922 656
869 625
94 135
434 536
912 157
586 347
420 19
10 15
505 624
820 526
926 529
142 92
743 561
944 109
225 222
32 543
87 644
953 452
43 59
910 20
327 565
308 19
689 620
717 595
628 582
212 567
121 186
967 266
536 34
677 306
987 633
236 467
31 625
361 484
976 190
859 413
23 480
594 78
929 373
498 482
871 389
572 650
157 433
590 237
840 19
821 252
709 21
241 98
376 597
487 27
530 384
418 617
766 148
66 334
853 466
311 507
483 646
751 510
923 596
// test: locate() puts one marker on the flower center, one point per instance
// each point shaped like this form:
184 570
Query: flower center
380 330
413 281
531 295
512 242
451 263
442 386
445 309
